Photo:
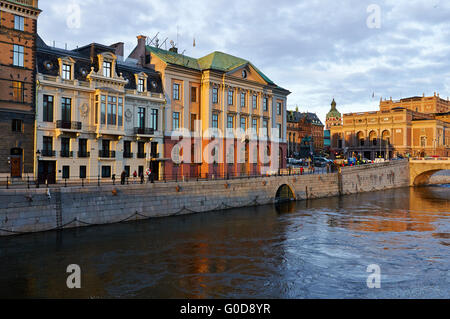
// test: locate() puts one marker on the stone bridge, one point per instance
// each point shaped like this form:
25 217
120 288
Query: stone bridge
421 169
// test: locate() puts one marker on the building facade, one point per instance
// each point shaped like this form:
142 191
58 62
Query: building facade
223 92
305 134
408 127
18 25
97 115
333 118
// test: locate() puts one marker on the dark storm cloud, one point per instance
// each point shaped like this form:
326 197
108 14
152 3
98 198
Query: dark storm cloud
316 49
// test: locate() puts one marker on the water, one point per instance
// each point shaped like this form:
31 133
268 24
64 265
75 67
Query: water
311 249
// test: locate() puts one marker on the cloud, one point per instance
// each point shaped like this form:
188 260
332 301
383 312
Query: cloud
316 49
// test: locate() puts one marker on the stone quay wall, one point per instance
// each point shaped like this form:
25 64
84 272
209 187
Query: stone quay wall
32 210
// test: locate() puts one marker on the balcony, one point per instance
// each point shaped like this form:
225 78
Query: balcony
66 154
84 154
154 155
106 154
141 155
127 155
48 153
67 125
144 131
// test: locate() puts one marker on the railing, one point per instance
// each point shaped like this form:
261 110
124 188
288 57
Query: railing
68 125
84 154
430 158
154 155
66 153
141 155
95 181
144 131
127 155
107 154
48 153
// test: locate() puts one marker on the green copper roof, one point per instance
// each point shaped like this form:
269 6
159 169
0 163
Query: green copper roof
215 61
175 58
27 3
333 112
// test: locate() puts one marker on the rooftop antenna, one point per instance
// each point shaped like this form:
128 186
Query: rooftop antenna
150 41
164 43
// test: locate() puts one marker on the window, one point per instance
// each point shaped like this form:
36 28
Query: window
65 147
193 119
66 72
141 117
112 110
47 143
106 171
242 99
48 109
176 91
215 120
193 94
66 112
243 123
230 97
279 107
175 120
279 130
19 23
423 141
255 101
66 172
127 149
103 110
141 86
230 121
18 54
120 112
154 119
266 127
82 171
82 147
141 150
18 91
107 69
255 123
265 104
215 95
17 125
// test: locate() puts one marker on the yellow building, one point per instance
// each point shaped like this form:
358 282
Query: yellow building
416 126
223 92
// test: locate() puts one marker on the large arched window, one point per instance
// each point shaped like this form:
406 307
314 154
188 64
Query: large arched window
373 138
360 138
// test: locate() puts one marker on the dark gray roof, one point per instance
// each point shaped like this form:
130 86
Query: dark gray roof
295 117
86 58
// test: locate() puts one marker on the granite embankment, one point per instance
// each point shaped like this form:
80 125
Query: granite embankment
32 210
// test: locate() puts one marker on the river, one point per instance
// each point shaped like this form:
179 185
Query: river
311 249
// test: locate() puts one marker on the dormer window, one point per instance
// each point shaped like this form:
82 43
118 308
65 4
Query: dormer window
107 69
66 71
141 85
66 68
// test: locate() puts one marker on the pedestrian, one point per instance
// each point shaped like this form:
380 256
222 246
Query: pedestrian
301 170
142 178
134 176
114 179
122 177
147 173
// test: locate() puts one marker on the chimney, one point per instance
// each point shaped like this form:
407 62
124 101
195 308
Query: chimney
140 49
118 48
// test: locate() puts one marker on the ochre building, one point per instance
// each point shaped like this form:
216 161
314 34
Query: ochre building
415 126
223 92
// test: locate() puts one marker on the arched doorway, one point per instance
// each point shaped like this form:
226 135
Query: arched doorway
284 194
360 139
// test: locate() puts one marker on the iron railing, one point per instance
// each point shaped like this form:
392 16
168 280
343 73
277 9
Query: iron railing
68 125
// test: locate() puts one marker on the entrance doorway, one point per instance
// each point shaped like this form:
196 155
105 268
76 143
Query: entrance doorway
16 162
47 172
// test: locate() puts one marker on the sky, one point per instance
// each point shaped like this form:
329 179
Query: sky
354 51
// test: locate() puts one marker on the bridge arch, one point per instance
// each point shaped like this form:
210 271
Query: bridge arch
284 193
422 169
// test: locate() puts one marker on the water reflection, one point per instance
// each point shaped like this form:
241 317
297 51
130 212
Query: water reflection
316 248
